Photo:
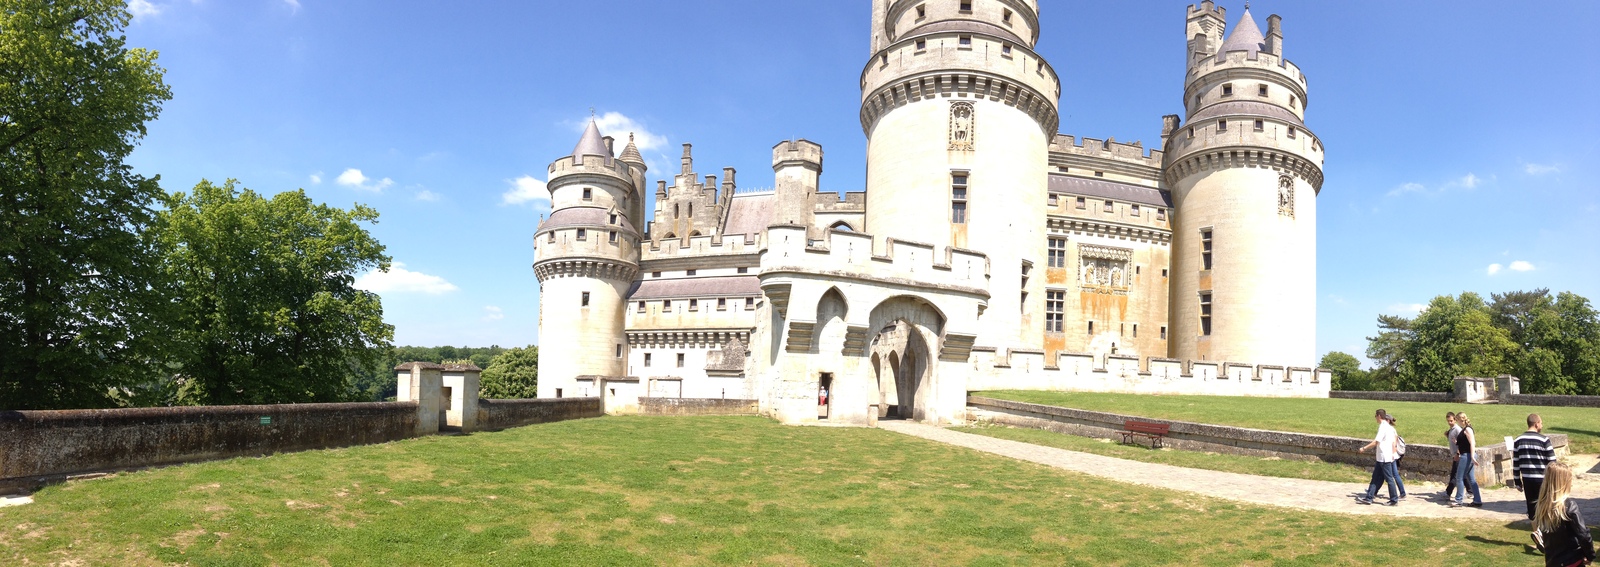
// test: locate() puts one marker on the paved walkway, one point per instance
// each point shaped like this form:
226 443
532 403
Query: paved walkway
1319 495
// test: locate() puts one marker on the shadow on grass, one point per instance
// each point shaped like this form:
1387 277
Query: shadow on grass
1526 549
1573 431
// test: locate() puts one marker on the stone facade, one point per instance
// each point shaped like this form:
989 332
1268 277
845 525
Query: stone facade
986 251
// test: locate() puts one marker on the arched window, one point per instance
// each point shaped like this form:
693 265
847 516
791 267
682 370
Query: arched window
694 233
841 225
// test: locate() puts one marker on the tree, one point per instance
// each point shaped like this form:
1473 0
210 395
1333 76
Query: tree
80 298
1347 372
268 311
1388 351
513 374
1454 337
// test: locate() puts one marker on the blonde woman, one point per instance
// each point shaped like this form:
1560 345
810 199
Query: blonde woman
1566 538
1466 460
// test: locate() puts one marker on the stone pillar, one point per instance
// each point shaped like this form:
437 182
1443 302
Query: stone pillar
462 381
420 382
1505 386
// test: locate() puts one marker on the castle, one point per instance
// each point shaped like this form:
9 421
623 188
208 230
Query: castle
987 251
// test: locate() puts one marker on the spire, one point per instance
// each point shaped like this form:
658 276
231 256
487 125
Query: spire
630 153
1245 37
591 144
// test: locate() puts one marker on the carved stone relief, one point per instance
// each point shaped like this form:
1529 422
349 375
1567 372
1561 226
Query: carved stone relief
1104 269
1286 196
961 126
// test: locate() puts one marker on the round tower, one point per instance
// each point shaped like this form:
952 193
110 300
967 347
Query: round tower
959 112
586 255
1244 172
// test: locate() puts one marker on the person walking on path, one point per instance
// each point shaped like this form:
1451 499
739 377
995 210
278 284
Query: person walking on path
1466 459
1383 471
1559 520
1399 455
1450 435
1531 453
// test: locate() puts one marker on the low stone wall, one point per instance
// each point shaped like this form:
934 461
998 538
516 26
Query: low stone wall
697 406
1438 397
1425 461
1549 400
501 414
41 446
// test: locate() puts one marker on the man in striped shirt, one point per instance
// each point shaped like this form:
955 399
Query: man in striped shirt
1530 454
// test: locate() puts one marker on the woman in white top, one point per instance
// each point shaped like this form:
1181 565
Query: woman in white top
1384 471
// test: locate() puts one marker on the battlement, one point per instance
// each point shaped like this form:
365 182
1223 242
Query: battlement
1020 369
1242 59
570 165
801 152
694 246
840 202
1207 8
854 255
1133 152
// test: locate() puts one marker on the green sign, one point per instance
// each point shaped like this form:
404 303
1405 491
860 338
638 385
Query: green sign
266 420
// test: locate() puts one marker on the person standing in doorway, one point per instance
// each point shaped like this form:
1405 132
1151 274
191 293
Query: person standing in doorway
1531 454
1559 521
1383 471
1450 436
1467 460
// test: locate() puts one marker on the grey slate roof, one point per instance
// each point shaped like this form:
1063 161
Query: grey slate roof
1247 108
750 213
721 286
583 216
1103 189
1245 37
591 144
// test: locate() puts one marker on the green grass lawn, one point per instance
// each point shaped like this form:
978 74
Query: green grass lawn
689 491
1314 470
1419 422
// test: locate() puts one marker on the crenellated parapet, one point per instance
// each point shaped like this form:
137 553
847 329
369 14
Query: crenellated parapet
959 64
591 165
1086 155
861 257
1192 158
1015 19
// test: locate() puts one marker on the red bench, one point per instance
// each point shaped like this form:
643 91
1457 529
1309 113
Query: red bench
1153 431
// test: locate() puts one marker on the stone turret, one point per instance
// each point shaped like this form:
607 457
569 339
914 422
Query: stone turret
1244 172
950 162
689 206
586 255
797 168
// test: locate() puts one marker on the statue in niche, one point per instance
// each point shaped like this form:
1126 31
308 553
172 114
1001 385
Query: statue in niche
961 118
1286 196
1116 276
1088 273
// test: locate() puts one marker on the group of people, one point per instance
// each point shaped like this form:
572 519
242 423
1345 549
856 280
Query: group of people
1546 483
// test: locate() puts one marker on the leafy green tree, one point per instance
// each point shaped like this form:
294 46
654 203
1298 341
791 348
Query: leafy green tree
1454 337
514 374
1578 339
1347 372
1387 351
268 308
80 297
1558 340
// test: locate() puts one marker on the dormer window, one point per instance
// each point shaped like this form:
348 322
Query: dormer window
1227 89
613 219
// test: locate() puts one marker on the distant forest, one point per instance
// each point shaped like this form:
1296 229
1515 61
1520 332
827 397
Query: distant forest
380 386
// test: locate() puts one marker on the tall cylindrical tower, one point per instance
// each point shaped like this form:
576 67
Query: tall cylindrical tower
959 112
1244 173
586 255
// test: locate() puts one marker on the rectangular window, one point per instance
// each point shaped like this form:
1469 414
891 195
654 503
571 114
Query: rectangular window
1227 89
694 305
558 392
1163 272
613 219
1091 327
613 237
619 350
1005 16
1099 174
1135 330
922 44
1082 204
1133 210
1293 102
647 360
744 269
1054 200
964 41
1122 328
1163 332
1222 125
680 360
958 198
1161 214
722 304
966 6
641 307
552 236
1191 132
1291 132
1261 125
749 303
922 12
666 305
1054 310
1057 252
655 274
1005 50
689 273
1205 248
1261 90
583 234
1205 313
1110 207
585 299
588 193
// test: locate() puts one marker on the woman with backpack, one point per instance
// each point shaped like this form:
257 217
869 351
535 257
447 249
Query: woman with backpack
1466 460
1558 519
1399 455
1383 470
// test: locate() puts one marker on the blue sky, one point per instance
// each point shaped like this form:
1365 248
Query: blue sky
1459 135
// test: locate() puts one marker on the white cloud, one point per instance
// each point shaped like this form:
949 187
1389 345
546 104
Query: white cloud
1470 181
1494 269
492 313
1407 308
142 8
355 179
526 189
1407 188
316 178
618 125
294 6
426 195
1540 168
1521 266
400 280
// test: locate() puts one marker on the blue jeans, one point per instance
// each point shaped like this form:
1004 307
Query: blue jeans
1465 479
1384 474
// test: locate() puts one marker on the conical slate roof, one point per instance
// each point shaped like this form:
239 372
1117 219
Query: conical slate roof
591 144
630 153
1245 37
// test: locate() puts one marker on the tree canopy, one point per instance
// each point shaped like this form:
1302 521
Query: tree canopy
81 301
513 374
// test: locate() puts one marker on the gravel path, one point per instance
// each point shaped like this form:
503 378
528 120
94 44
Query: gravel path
1498 505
